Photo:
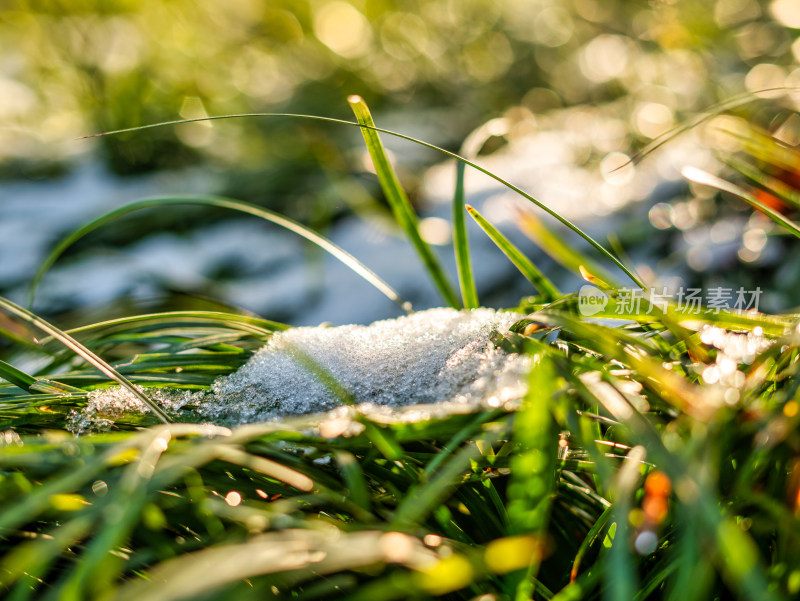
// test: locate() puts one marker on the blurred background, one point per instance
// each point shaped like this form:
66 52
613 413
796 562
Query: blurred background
552 94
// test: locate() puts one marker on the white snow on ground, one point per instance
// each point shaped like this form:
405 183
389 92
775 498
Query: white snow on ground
440 355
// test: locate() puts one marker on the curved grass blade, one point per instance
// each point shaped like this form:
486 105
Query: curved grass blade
520 261
703 177
398 200
224 203
713 111
247 323
83 352
596 245
461 244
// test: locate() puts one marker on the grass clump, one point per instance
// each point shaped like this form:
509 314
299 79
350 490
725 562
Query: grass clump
655 456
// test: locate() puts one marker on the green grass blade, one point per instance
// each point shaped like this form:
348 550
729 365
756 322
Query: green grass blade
619 561
597 246
50 387
520 261
425 497
223 203
461 243
322 374
16 376
247 323
563 253
465 433
401 206
775 185
591 536
83 352
710 113
703 177
533 473
353 476
760 145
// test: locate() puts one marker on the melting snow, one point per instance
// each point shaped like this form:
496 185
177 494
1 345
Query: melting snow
435 356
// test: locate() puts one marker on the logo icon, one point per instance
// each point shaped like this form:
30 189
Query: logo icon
591 300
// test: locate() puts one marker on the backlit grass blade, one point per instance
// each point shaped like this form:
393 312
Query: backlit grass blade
461 243
520 261
401 206
83 352
222 203
563 253
50 387
710 113
703 177
760 145
247 323
781 189
597 246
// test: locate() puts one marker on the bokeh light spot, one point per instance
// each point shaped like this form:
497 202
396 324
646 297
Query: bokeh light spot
786 12
343 29
605 58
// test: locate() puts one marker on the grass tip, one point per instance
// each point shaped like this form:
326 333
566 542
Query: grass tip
698 176
355 99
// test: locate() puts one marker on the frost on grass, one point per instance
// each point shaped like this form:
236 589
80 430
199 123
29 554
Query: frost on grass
106 405
434 356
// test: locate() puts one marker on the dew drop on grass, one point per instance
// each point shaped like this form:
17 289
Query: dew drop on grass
429 357
100 488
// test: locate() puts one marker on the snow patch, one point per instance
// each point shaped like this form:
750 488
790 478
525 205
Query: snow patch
434 356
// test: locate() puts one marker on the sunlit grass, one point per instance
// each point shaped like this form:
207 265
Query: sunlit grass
651 459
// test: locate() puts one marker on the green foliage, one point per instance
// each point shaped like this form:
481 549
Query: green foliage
534 275
469 295
648 461
398 200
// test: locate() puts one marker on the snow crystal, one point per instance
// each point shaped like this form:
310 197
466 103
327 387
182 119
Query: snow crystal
435 356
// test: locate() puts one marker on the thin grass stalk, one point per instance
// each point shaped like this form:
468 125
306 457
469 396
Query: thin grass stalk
599 247
713 111
225 203
469 294
83 352
559 251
